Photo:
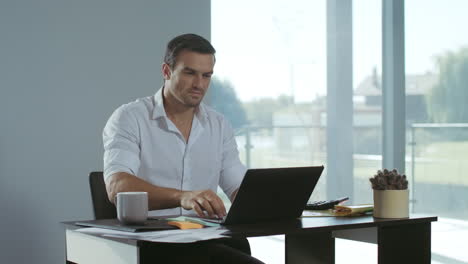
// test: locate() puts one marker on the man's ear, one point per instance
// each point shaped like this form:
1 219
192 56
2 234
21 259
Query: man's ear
166 71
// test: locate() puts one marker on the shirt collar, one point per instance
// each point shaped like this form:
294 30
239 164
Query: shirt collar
159 111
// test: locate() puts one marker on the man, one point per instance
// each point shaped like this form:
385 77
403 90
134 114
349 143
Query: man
173 146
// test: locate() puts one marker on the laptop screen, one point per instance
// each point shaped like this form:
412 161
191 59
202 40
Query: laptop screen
273 194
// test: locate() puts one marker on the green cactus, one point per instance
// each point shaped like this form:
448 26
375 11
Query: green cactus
389 180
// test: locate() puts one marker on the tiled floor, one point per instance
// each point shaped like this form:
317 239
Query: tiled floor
449 246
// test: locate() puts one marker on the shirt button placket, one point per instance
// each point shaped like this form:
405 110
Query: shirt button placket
186 171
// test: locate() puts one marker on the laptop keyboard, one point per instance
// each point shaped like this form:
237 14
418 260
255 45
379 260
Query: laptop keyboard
215 220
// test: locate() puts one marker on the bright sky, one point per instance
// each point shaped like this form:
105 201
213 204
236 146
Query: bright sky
272 47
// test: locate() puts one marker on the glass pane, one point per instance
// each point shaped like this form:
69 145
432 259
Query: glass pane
437 120
272 58
367 78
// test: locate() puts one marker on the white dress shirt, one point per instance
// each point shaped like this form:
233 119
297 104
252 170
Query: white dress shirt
141 140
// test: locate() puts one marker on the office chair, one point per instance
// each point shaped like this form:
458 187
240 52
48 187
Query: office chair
102 207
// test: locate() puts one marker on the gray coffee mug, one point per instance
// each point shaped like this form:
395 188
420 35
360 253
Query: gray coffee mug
132 207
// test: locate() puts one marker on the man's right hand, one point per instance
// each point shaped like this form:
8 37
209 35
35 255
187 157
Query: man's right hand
205 200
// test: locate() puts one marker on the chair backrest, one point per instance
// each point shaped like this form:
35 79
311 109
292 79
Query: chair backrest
102 207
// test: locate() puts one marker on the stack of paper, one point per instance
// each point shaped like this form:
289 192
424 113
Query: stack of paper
168 236
341 210
352 210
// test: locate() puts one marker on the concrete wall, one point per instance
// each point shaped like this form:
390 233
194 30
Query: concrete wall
64 67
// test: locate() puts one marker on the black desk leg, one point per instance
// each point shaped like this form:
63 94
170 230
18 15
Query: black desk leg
405 244
313 248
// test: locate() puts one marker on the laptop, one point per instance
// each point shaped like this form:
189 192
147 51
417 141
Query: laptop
273 194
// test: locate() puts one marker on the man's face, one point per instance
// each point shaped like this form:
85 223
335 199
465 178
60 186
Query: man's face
190 78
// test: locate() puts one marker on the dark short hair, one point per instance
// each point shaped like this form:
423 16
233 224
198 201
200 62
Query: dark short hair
191 42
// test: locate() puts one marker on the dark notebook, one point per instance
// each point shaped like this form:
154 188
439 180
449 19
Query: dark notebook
149 225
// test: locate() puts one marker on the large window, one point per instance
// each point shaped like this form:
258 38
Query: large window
282 67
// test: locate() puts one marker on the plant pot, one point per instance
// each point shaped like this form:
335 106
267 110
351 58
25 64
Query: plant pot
391 203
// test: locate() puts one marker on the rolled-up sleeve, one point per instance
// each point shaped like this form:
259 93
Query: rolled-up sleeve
232 170
121 143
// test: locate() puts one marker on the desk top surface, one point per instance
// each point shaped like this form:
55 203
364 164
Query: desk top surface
319 224
312 224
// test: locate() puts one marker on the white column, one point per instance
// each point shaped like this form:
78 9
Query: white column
339 99
393 80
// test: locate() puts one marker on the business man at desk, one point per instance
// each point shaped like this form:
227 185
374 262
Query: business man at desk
177 149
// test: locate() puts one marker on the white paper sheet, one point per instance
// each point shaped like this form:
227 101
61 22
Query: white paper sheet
168 236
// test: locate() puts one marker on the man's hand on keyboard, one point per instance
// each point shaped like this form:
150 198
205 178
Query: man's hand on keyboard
205 200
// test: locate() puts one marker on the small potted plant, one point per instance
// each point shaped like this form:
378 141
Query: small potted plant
391 195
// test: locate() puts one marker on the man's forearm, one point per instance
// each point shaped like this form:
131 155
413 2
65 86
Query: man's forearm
158 197
163 198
